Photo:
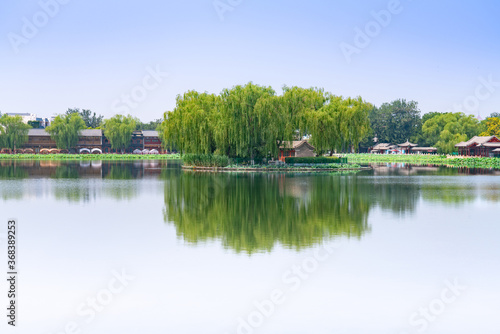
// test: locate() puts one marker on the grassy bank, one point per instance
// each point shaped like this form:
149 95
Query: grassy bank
422 159
88 156
216 163
295 167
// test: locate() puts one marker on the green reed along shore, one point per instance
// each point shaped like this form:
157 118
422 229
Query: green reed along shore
89 156
424 159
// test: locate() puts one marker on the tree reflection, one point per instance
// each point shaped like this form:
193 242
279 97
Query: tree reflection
254 212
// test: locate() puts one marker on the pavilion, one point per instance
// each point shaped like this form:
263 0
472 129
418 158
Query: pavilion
407 147
479 146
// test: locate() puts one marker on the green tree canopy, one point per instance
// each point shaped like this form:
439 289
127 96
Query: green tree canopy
65 130
241 133
492 127
191 125
153 125
34 124
13 132
118 129
92 120
340 124
445 130
251 121
396 122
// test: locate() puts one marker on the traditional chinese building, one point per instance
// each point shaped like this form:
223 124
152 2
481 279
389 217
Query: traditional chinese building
39 139
151 140
479 146
406 147
140 141
385 148
424 150
90 139
299 148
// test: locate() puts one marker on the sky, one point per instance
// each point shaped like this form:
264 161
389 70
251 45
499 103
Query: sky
135 57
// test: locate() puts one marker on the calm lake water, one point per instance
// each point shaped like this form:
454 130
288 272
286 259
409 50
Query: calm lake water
142 247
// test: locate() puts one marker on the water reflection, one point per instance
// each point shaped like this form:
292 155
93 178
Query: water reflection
404 169
252 212
113 170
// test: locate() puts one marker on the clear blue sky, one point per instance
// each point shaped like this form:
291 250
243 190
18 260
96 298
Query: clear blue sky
92 52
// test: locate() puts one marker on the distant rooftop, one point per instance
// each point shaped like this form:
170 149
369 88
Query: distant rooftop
296 144
18 114
38 132
91 133
479 141
149 133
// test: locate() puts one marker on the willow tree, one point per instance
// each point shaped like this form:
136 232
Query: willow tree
325 126
118 129
252 121
299 103
191 125
358 122
339 124
64 130
13 132
239 119
273 124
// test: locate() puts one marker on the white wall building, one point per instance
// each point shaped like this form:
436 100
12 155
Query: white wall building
25 116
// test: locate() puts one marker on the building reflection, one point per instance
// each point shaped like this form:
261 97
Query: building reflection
81 169
252 212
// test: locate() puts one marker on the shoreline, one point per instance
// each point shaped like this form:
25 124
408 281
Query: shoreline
450 161
259 169
103 157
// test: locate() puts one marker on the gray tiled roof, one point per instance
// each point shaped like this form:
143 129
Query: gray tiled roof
91 133
38 132
424 149
85 133
491 145
296 144
407 144
149 133
384 146
475 140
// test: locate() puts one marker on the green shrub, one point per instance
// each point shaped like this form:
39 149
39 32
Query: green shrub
315 160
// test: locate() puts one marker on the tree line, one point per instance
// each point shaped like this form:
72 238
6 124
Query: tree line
65 129
401 120
252 121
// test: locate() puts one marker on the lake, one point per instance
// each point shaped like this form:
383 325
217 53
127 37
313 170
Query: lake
143 247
